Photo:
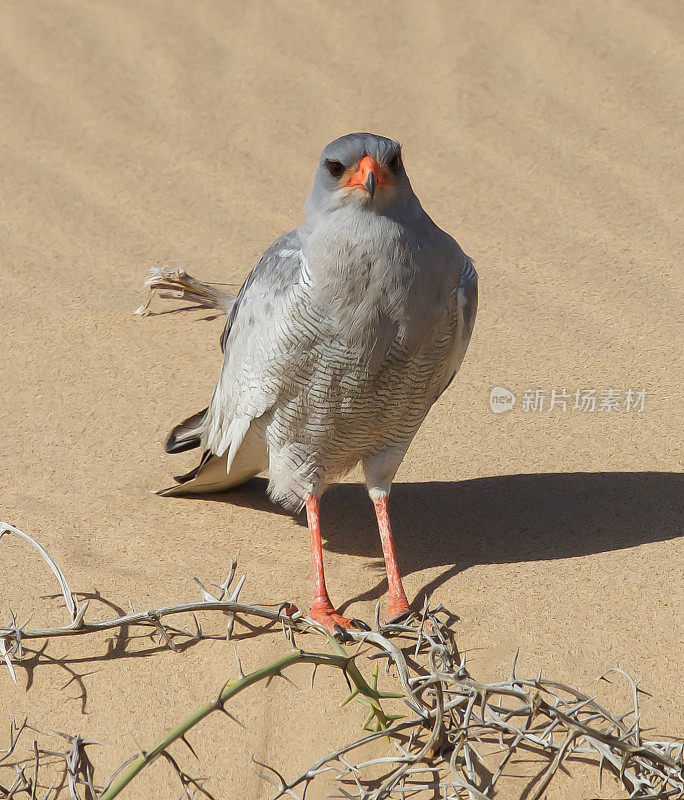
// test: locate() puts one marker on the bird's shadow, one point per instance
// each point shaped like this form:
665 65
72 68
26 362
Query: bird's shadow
450 526
212 315
496 520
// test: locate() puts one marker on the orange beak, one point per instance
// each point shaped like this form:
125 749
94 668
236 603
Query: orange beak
368 175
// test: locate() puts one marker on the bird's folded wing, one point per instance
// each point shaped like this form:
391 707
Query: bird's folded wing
466 309
260 342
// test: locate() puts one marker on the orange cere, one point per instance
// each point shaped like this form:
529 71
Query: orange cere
366 166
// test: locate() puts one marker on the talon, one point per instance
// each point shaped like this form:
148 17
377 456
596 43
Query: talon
360 624
342 633
325 615
402 616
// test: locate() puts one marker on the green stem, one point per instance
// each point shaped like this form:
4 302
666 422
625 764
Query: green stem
341 661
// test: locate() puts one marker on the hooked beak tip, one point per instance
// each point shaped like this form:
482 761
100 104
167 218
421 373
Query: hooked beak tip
371 183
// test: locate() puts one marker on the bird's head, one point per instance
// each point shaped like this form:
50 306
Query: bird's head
360 170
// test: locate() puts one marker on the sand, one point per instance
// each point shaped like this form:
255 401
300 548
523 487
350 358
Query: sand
543 136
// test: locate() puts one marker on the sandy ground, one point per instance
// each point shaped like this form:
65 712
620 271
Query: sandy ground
544 137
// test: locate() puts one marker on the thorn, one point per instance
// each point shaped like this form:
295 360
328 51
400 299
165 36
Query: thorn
241 674
189 746
374 679
391 695
349 697
233 598
512 678
421 627
223 587
206 595
346 677
289 680
8 661
368 720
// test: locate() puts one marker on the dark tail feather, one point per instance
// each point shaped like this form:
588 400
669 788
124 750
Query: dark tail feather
193 472
187 435
213 475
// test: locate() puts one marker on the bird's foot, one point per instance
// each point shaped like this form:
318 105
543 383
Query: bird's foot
398 609
325 615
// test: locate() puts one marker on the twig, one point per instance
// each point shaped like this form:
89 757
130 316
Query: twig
435 750
178 285
14 634
63 585
232 688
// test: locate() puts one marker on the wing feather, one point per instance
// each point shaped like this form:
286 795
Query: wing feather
254 343
466 307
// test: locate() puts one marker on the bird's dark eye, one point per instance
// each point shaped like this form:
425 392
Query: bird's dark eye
394 162
335 168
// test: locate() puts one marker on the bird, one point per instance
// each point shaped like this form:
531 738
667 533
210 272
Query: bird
342 337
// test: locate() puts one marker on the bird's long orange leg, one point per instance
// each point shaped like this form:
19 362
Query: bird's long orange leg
322 609
397 604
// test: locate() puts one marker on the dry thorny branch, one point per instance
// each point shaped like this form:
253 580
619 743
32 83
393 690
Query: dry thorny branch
457 741
176 284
